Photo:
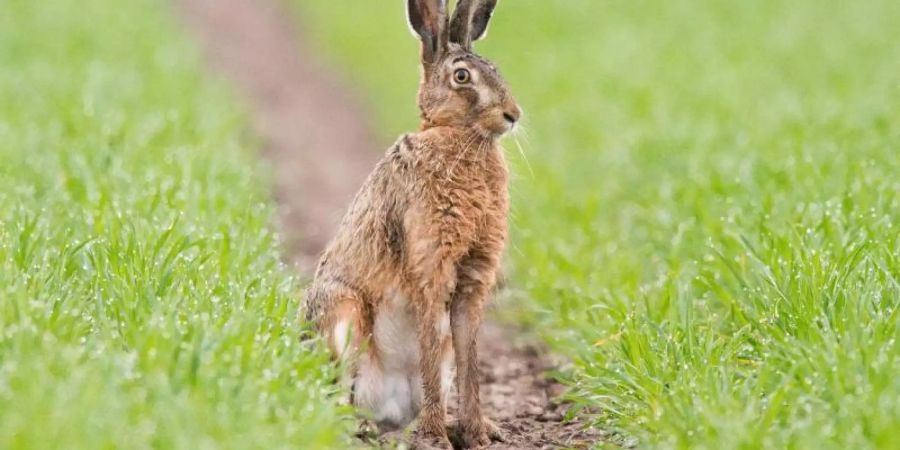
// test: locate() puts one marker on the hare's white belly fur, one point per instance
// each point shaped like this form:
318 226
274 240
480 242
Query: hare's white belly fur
389 386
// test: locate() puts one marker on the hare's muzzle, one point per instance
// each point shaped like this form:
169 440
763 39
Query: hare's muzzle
512 115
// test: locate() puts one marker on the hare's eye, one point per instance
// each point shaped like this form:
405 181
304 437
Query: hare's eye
461 76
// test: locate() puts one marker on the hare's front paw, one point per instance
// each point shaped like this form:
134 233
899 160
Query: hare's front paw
480 433
476 434
432 434
494 431
426 440
476 438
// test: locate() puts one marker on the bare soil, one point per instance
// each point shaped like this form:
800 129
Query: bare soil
320 145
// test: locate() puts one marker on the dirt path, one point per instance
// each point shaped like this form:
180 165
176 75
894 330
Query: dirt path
321 147
315 135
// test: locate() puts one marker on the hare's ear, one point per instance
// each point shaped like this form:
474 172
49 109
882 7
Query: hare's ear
428 20
470 21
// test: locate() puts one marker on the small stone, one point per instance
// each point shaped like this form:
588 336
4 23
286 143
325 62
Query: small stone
550 417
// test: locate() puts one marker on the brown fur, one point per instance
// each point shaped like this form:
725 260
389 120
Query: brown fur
429 225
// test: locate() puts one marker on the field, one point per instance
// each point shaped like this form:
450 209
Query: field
142 301
706 206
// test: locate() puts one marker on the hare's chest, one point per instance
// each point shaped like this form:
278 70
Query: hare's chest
470 201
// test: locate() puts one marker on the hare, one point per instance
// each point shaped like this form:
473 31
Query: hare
403 285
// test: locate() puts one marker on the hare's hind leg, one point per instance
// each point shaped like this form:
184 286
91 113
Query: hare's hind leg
388 383
339 313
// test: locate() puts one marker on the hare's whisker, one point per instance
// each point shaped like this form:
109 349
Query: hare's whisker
522 152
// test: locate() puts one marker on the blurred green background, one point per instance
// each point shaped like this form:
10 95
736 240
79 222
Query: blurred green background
709 224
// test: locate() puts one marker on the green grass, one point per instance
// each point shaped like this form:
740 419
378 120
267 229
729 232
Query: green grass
142 301
710 227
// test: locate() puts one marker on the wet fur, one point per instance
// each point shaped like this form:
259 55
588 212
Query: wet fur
404 282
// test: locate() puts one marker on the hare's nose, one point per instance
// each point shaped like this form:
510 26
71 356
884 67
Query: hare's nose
512 115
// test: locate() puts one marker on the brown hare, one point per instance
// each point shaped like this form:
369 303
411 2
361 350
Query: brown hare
403 285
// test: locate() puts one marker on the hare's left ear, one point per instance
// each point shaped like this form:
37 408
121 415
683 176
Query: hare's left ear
428 20
470 21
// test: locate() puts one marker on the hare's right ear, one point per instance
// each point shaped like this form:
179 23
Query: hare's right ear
470 21
428 20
